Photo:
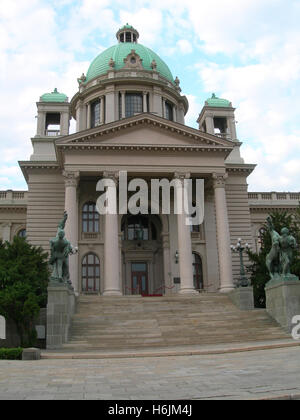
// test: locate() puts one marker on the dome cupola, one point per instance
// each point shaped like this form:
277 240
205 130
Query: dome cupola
127 34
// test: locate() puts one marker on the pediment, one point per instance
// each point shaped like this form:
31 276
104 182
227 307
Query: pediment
145 130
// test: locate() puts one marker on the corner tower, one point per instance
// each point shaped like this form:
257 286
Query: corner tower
53 121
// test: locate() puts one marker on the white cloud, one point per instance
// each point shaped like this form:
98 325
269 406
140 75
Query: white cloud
184 46
248 52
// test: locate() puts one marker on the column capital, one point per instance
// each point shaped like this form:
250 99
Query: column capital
219 180
114 175
71 178
182 175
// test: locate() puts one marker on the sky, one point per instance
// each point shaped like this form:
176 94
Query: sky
246 51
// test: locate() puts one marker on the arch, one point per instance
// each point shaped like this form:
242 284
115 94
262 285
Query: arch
141 227
22 233
90 217
90 272
197 271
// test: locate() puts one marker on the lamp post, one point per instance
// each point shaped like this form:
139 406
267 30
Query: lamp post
243 281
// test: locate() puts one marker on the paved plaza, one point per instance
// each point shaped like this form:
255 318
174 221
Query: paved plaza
248 375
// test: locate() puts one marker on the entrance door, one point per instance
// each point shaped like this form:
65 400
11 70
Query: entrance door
139 278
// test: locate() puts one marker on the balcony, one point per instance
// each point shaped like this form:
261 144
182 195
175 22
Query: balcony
52 133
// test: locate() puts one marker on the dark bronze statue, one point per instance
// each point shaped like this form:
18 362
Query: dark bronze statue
60 249
280 257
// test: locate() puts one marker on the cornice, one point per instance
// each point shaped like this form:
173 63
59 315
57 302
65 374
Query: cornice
238 167
28 165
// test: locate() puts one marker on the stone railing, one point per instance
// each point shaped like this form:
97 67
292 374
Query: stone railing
274 196
13 197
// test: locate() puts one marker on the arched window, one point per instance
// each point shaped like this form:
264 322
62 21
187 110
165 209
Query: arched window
90 218
197 271
95 114
22 233
90 273
169 111
138 228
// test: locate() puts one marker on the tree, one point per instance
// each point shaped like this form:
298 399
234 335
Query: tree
23 285
258 269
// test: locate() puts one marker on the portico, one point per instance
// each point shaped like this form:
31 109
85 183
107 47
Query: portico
84 164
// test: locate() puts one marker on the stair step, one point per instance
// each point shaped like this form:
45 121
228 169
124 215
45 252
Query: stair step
115 323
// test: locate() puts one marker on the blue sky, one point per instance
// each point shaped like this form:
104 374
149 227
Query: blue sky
247 51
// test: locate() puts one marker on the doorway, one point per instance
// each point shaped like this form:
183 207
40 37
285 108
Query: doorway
139 278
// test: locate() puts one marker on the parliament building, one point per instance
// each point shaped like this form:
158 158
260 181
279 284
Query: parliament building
130 116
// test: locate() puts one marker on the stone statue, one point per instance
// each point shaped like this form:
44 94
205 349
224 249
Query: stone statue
280 257
272 259
81 79
287 245
60 249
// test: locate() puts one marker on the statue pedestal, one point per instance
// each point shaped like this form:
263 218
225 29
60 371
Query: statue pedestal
242 297
60 309
283 299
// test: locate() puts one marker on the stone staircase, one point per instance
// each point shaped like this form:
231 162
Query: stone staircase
124 323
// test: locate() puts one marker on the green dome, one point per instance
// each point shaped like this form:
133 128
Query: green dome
54 96
120 51
217 102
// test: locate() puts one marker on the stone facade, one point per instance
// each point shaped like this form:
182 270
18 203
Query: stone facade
132 119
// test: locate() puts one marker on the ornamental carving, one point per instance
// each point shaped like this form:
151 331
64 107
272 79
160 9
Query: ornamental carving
114 176
219 180
71 178
133 61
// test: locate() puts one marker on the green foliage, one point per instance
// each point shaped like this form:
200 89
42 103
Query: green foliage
258 269
23 285
11 354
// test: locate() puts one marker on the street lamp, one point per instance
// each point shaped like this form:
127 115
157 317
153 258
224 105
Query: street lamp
243 281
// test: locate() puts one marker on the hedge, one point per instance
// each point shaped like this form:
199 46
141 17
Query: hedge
11 354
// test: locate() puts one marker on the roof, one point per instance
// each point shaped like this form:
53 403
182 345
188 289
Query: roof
54 96
218 102
100 64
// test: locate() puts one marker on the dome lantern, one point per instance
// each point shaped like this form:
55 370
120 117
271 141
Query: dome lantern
127 34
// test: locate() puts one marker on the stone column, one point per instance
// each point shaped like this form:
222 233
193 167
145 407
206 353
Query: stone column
112 283
71 228
123 112
102 105
163 107
223 235
166 262
6 231
174 113
64 123
184 243
78 116
145 108
88 117
41 124
209 121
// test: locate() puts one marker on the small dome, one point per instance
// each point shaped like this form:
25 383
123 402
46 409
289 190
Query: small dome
54 96
218 102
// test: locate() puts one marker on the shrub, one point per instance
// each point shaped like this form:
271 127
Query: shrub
23 285
11 354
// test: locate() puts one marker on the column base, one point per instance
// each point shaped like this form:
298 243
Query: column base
188 292
112 293
226 289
